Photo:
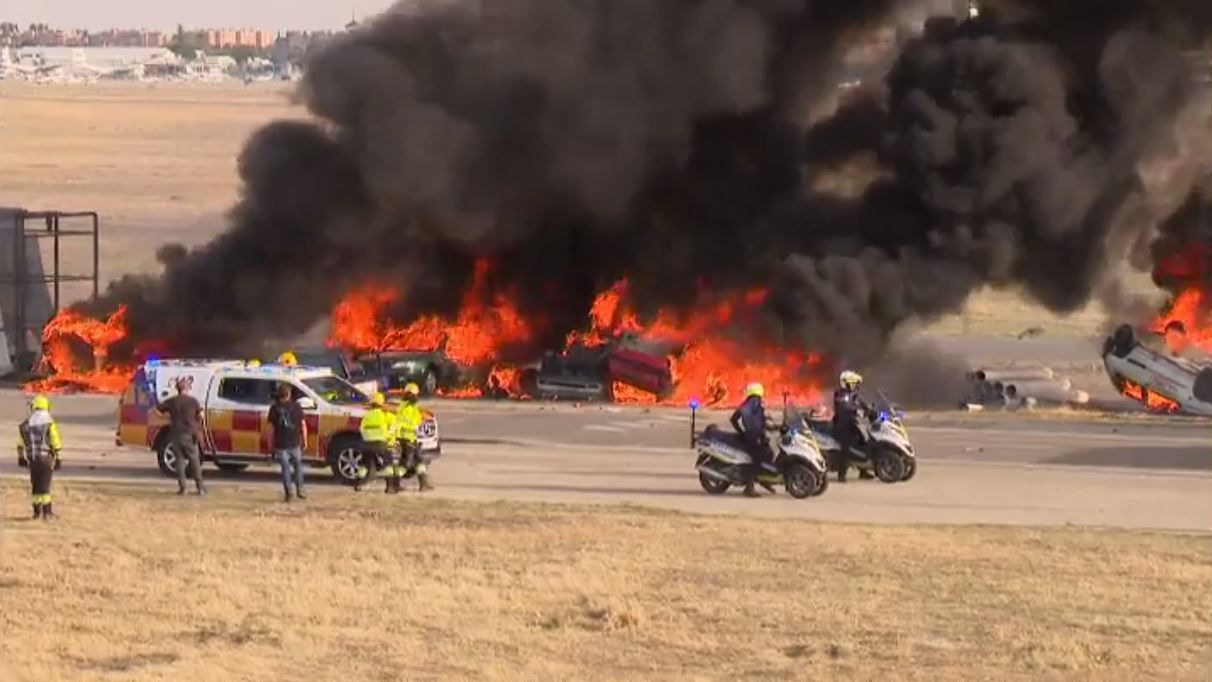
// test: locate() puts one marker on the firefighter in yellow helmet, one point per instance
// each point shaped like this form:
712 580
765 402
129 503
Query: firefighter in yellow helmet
408 425
288 359
378 440
38 448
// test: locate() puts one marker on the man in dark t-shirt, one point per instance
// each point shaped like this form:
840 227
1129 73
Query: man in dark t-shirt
289 438
184 433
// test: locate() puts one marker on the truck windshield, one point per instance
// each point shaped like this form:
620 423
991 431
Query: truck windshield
330 360
335 390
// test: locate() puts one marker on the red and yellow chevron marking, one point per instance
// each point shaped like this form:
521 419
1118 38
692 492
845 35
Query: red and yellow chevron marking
138 423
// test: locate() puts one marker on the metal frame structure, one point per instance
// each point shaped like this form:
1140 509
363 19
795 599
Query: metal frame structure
21 279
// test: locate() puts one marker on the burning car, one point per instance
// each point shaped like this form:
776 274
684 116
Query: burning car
433 371
597 372
1158 380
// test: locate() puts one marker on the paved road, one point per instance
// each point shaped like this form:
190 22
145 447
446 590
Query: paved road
974 469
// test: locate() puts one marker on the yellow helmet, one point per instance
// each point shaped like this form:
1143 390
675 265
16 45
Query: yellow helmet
288 358
755 389
850 379
412 389
40 402
378 400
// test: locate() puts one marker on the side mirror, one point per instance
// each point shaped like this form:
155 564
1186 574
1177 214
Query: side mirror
307 403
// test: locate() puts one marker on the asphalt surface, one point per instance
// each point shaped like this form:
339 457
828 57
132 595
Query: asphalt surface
1004 469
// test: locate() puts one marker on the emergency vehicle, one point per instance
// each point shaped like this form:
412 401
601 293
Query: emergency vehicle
235 398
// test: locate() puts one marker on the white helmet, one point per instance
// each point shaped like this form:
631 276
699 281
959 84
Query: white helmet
849 379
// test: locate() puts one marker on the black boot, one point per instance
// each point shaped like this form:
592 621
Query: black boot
749 491
286 495
48 512
865 475
37 510
423 479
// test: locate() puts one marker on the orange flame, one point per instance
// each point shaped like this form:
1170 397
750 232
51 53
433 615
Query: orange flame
1185 322
75 348
1153 401
474 337
671 358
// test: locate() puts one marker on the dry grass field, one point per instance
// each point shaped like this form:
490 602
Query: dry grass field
133 583
158 163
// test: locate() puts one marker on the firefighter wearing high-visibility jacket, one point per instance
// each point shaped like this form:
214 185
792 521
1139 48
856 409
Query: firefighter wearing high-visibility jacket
38 447
378 441
408 425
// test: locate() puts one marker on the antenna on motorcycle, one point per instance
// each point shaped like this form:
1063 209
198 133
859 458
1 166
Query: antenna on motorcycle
785 394
694 406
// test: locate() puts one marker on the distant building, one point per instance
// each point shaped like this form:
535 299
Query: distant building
128 38
245 37
103 58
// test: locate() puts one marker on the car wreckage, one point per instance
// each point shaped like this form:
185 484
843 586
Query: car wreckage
582 372
1141 368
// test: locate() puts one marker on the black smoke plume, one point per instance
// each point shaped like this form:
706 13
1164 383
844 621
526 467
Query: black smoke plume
576 142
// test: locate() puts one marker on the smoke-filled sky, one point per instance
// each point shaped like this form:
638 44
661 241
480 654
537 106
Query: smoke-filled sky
680 144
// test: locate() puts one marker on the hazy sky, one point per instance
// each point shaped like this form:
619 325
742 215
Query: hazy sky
164 14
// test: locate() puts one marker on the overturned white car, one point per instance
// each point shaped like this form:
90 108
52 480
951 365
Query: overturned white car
1156 379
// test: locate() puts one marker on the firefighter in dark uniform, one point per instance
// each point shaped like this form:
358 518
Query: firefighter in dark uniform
38 448
848 407
749 420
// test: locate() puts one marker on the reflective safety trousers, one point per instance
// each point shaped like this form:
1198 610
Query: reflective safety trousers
378 426
408 422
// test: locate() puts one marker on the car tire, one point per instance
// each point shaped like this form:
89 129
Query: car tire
1123 340
344 458
1203 386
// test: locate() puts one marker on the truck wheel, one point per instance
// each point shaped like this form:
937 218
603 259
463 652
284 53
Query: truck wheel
166 459
345 458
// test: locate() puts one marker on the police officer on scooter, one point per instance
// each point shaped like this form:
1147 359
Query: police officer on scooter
848 407
749 421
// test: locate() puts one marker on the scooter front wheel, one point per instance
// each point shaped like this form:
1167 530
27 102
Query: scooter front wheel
889 467
824 485
801 481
